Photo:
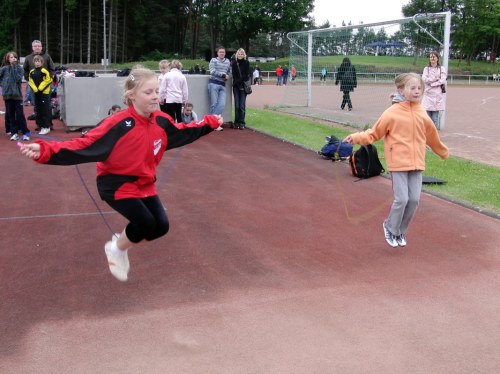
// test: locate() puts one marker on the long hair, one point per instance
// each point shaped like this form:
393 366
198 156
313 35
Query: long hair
6 60
435 53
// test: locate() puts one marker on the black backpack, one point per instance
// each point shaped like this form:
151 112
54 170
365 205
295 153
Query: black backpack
124 72
365 162
334 148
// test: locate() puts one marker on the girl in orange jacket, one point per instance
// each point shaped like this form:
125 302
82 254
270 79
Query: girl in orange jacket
406 129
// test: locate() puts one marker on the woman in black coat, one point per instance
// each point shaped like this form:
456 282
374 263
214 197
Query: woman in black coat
241 73
346 75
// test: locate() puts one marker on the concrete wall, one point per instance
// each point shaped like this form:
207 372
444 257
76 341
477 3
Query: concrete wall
84 101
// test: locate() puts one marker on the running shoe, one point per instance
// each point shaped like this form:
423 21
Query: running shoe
389 237
401 240
117 264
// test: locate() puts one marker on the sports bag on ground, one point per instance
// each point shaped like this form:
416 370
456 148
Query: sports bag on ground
365 162
334 148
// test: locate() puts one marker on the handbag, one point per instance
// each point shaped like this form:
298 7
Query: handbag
443 86
247 85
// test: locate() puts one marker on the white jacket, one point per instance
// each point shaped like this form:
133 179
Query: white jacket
174 87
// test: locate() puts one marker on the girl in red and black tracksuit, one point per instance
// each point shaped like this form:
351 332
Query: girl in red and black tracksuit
127 147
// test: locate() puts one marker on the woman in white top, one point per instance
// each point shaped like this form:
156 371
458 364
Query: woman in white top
434 77
174 88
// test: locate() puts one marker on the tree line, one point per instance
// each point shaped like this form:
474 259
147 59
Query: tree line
81 31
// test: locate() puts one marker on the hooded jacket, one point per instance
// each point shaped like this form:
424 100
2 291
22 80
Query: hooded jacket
406 129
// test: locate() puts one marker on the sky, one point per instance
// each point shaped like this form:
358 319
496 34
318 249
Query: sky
357 11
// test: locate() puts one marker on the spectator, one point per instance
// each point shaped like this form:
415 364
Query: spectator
114 109
28 65
434 76
241 73
346 75
175 90
285 74
256 75
279 75
40 81
11 77
294 73
219 73
164 66
188 114
324 72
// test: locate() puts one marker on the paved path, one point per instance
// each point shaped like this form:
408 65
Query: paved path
275 263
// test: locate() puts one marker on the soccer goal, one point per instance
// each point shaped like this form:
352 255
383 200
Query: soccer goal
379 52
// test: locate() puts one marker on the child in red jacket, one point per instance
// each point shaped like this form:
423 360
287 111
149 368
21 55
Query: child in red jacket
127 147
406 129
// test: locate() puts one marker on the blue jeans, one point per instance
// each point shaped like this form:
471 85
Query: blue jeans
434 114
217 95
240 103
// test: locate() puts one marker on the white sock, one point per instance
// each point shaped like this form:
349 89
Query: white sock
117 251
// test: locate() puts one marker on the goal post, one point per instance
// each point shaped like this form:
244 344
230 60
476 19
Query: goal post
379 52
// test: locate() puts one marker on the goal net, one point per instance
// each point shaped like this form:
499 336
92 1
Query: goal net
379 52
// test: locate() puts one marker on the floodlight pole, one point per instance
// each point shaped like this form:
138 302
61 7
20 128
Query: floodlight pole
309 68
105 61
446 55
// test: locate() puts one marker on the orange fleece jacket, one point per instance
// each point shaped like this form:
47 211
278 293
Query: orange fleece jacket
406 129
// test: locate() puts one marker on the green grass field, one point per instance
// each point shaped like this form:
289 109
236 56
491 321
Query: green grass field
470 183
365 64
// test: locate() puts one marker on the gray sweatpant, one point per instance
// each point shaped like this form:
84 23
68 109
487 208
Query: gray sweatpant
407 186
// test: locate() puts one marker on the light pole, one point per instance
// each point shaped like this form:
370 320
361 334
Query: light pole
105 60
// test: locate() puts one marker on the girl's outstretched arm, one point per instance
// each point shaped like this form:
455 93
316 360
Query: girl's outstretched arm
31 150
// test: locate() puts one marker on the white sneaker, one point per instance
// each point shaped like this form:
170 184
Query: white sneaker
389 237
219 128
44 131
401 240
114 238
14 137
26 137
117 264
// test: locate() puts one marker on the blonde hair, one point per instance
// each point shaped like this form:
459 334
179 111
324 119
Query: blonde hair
164 64
404 80
243 51
176 64
135 79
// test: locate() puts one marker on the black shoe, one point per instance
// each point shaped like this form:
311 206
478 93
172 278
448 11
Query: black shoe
342 107
350 108
242 127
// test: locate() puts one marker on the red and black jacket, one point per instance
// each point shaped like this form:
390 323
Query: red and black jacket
127 148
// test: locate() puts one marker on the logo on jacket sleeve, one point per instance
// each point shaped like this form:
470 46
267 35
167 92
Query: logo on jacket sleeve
157 146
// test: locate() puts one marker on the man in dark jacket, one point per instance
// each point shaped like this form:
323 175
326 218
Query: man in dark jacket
28 65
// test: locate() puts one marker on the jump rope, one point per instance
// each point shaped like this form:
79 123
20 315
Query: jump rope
159 181
360 218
